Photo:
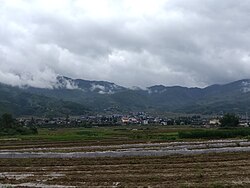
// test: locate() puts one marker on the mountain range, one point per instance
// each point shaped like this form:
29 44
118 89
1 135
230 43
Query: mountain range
77 97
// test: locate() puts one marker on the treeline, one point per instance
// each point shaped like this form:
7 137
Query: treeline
228 124
9 126
213 134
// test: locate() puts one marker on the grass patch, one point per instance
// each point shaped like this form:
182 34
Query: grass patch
156 133
215 134
140 133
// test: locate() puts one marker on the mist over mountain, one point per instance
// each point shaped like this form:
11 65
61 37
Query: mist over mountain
77 97
151 54
168 42
19 101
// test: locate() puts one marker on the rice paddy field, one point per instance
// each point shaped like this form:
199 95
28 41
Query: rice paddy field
127 157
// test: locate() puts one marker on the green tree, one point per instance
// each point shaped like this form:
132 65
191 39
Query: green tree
7 121
32 122
229 120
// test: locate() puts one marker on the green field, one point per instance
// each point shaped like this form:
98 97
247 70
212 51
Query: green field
133 133
101 133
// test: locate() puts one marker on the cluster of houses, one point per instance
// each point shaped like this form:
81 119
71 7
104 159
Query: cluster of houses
129 119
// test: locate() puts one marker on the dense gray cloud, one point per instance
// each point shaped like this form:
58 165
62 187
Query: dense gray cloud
129 42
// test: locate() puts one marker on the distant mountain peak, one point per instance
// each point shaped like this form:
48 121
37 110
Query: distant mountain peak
100 87
65 83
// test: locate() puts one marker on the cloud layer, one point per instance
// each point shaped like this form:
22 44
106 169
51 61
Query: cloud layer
129 42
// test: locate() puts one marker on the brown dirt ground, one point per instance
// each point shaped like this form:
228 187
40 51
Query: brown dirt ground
210 170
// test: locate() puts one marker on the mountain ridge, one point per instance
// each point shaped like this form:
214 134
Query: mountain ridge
103 96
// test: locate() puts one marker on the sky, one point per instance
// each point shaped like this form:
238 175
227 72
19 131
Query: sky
128 42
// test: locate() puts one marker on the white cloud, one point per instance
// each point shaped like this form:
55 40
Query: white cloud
142 42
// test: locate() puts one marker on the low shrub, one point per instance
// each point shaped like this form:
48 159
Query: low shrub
18 131
218 133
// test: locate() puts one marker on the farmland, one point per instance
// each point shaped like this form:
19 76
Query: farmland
220 170
123 157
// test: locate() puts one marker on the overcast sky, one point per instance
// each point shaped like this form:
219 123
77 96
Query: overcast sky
129 42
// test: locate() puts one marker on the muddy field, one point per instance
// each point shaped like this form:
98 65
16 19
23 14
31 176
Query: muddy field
209 170
225 165
30 150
